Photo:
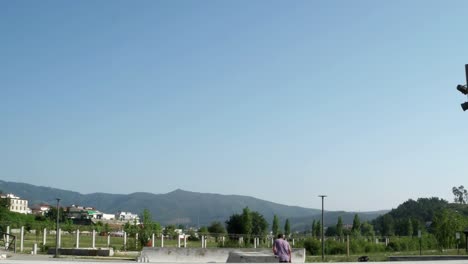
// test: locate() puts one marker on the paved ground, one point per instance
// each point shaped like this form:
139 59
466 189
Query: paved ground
38 259
47 259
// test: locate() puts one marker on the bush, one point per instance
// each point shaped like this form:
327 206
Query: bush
393 246
372 247
312 246
356 246
333 247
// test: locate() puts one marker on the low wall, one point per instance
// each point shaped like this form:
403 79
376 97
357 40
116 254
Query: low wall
205 255
101 252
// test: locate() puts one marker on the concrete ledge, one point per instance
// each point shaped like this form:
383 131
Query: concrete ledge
428 258
101 252
214 255
251 257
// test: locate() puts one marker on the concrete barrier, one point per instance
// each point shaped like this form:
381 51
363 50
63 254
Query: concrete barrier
217 255
102 252
251 257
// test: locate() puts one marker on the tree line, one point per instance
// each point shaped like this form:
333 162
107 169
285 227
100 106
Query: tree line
432 217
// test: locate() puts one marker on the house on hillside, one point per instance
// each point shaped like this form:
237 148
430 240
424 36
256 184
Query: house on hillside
40 209
16 204
80 212
104 216
127 217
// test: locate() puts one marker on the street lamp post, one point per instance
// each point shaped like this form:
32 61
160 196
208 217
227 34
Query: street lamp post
323 239
463 88
58 230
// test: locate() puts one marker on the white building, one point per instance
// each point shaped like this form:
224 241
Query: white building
127 216
40 209
105 216
15 204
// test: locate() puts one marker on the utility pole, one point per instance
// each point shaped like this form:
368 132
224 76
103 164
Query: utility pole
58 230
323 238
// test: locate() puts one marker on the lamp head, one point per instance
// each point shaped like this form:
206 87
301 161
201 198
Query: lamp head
464 106
462 89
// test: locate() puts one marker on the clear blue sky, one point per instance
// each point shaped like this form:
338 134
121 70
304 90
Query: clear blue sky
280 100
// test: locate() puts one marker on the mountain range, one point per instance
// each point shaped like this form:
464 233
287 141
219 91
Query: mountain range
182 207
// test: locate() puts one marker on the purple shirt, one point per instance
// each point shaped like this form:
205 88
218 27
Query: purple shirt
281 249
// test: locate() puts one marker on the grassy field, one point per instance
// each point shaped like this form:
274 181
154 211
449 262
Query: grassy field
85 241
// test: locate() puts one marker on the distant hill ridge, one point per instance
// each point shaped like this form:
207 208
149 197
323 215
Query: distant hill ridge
181 207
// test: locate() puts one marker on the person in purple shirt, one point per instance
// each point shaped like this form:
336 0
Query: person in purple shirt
282 249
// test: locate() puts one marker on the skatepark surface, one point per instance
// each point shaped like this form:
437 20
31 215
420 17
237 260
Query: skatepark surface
47 259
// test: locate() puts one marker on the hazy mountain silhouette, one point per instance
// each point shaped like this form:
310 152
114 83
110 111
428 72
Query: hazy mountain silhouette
181 207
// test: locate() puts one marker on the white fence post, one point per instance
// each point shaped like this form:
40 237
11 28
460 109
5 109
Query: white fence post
77 238
21 238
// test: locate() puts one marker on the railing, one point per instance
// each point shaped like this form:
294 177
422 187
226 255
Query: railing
8 241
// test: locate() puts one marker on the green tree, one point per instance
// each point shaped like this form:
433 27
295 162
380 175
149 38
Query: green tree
331 231
287 228
339 227
192 235
461 194
68 226
170 230
388 228
409 227
317 229
312 231
275 226
234 224
367 229
246 222
106 228
356 229
216 230
259 224
131 229
203 231
446 223
416 226
147 228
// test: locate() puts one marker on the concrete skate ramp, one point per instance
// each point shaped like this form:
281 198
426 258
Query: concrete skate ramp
213 255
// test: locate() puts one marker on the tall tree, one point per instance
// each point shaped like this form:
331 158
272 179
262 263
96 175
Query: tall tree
313 228
234 224
356 229
367 229
275 226
259 224
246 222
287 228
388 225
409 227
317 229
147 228
446 223
339 227
461 194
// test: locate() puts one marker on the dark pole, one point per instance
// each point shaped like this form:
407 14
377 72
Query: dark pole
57 232
323 240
